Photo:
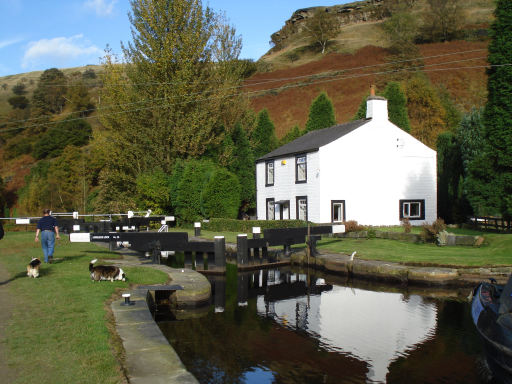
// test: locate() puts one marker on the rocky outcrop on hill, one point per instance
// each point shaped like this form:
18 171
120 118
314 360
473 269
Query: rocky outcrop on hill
360 11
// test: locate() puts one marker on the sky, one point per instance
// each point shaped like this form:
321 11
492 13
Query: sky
41 34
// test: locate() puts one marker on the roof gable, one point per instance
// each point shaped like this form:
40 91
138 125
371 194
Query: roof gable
313 140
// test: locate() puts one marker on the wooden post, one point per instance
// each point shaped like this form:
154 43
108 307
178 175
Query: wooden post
220 252
197 229
241 249
256 234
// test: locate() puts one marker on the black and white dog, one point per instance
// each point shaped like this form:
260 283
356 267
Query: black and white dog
33 267
105 272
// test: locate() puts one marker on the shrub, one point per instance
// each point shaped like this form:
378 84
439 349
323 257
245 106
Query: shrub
430 232
245 226
407 225
221 195
353 226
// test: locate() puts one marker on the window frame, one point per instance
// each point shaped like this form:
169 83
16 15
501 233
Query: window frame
267 163
297 199
408 202
297 157
342 213
268 200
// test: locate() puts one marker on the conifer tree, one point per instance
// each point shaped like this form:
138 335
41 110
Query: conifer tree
242 166
263 138
397 106
321 113
295 133
490 182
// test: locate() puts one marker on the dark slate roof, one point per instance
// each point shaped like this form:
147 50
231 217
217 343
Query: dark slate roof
312 141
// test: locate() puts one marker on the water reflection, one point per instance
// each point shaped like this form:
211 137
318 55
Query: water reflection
280 326
375 327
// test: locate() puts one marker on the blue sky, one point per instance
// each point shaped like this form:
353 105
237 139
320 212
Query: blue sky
41 34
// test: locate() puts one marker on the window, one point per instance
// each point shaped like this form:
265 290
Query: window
337 211
412 209
301 169
270 209
269 173
302 208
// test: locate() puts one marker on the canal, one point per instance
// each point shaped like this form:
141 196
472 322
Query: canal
295 326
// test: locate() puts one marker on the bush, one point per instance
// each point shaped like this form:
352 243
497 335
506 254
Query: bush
353 226
221 195
430 232
196 174
406 224
245 226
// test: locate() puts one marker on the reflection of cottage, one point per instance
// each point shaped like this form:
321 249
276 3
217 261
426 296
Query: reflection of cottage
367 170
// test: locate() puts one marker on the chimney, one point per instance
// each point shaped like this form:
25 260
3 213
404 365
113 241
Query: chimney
376 106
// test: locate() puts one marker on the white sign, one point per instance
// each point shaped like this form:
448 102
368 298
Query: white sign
338 228
76 227
22 221
80 237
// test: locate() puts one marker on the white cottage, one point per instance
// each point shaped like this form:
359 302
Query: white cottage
367 170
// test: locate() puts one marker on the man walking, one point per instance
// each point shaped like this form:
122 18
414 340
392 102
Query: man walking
49 230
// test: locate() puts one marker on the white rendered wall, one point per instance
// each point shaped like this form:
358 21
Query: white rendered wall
284 187
372 169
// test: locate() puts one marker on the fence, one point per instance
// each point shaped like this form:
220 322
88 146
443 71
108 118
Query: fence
497 224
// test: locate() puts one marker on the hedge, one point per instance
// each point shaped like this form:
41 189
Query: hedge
245 226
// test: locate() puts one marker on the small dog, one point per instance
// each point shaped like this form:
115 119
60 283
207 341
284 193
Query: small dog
33 267
105 272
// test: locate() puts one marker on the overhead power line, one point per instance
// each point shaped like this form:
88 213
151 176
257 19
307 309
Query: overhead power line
263 82
254 93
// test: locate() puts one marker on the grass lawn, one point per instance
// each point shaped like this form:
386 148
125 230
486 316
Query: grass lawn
496 251
60 322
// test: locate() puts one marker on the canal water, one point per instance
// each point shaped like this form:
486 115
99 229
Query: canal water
295 326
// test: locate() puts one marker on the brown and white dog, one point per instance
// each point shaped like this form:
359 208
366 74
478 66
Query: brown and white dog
105 272
33 267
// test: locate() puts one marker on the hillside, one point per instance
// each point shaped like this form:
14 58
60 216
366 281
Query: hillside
288 101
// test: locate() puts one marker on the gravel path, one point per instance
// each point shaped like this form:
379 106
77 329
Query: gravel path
6 308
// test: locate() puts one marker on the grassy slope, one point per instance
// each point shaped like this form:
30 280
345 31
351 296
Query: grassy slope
59 323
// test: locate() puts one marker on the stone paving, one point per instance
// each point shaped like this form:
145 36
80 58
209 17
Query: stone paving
150 359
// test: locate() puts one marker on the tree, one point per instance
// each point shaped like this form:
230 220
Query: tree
243 167
322 27
263 137
180 67
79 98
18 102
221 195
321 113
75 132
195 176
425 111
491 173
19 89
153 191
49 94
470 135
443 19
450 204
293 134
397 106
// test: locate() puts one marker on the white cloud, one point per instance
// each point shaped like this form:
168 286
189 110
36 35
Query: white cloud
101 7
6 43
59 51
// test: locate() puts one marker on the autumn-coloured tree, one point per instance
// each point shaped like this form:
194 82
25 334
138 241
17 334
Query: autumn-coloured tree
426 112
